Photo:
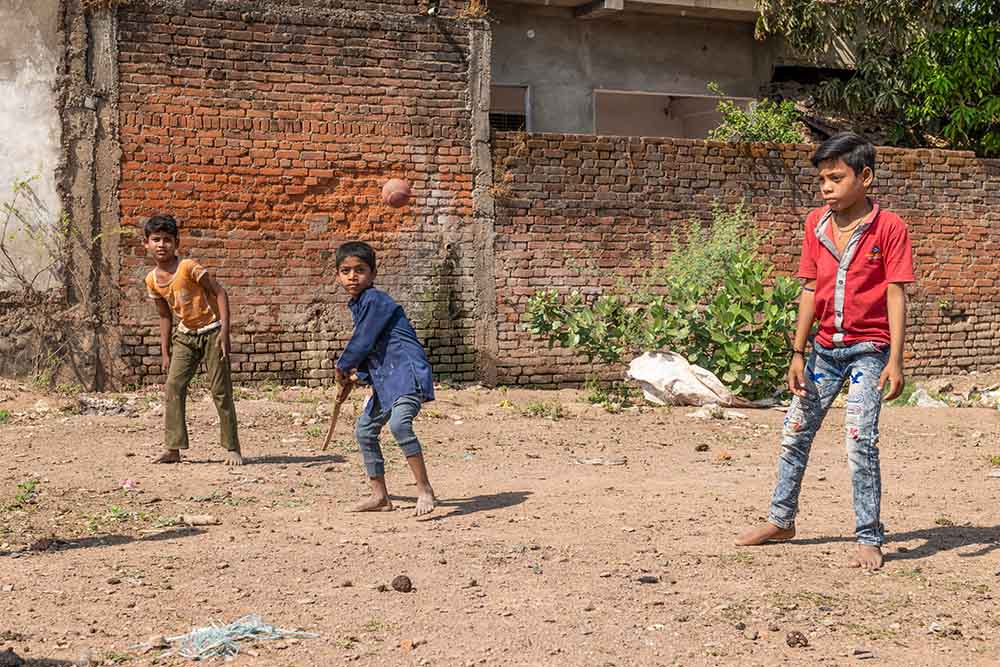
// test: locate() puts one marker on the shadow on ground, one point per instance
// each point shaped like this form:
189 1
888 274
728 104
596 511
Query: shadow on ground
52 544
471 505
12 659
936 540
310 461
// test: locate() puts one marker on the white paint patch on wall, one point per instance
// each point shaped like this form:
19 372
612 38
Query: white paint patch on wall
30 50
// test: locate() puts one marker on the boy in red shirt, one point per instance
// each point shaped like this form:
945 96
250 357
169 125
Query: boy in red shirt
856 260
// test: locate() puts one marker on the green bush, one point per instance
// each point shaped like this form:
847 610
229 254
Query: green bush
765 121
716 302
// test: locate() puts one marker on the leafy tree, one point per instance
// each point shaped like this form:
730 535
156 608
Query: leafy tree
930 67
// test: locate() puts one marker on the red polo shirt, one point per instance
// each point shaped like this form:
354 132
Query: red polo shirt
851 286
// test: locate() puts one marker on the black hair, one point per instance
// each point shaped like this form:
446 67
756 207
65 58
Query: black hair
161 222
358 249
856 151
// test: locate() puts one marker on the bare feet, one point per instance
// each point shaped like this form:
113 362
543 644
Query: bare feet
233 458
426 502
169 456
765 532
375 503
869 557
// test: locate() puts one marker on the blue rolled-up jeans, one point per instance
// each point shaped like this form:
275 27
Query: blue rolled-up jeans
400 419
826 372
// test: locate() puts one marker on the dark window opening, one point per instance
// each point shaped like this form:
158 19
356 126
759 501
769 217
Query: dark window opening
808 75
508 122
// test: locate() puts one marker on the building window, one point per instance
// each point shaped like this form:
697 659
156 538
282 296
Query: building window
627 113
509 108
508 122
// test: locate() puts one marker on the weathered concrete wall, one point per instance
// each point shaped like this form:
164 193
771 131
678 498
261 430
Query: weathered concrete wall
584 212
563 59
30 52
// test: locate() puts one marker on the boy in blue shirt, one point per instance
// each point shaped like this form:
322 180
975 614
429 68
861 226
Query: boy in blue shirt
385 353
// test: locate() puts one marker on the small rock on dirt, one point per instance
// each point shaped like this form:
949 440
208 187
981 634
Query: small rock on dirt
863 654
154 643
649 579
773 627
750 635
402 584
603 461
409 644
701 448
198 520
114 581
796 639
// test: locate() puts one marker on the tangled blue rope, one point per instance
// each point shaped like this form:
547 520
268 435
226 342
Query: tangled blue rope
222 640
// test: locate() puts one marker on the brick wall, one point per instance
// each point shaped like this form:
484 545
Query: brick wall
580 212
268 130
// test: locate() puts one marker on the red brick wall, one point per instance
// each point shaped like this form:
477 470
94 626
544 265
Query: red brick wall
584 211
268 130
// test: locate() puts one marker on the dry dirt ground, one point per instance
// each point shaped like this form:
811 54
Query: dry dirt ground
534 556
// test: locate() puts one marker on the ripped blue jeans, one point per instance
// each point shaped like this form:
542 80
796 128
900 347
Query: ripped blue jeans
826 372
400 419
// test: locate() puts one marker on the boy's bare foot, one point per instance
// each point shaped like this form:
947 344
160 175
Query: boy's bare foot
374 504
765 532
869 557
169 456
233 458
426 502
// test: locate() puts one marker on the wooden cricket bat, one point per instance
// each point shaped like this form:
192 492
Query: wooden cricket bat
341 397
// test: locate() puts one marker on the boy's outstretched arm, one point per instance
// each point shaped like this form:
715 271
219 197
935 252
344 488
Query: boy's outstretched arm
807 314
893 372
213 286
373 318
166 324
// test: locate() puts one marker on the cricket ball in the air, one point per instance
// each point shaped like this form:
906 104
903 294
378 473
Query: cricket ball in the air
396 192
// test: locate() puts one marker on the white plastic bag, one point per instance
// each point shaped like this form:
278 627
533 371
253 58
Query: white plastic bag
666 378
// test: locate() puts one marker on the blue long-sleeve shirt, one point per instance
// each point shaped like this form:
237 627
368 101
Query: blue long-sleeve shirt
385 351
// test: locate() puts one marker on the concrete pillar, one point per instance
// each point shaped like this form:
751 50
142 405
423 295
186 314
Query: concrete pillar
87 180
483 205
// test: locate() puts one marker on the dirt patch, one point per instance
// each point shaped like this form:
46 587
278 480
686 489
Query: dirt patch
565 535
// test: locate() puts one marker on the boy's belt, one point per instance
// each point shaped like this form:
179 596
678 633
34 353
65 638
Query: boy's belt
203 330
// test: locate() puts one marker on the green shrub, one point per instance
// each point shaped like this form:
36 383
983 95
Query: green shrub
765 121
4 416
716 302
613 397
548 409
